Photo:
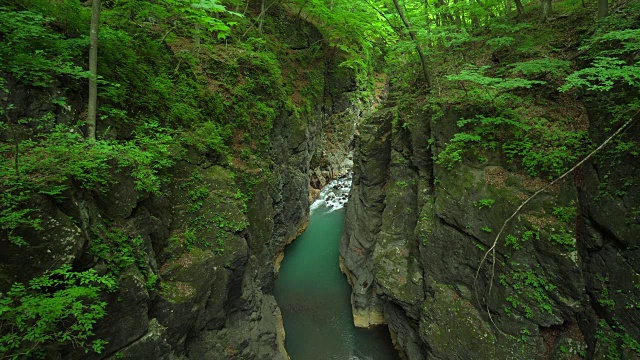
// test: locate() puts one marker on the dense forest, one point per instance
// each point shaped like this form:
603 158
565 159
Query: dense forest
157 156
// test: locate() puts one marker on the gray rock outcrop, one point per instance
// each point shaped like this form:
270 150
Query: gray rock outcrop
416 233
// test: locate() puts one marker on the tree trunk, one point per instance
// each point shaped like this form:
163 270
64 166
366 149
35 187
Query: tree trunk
475 22
603 8
93 70
545 10
262 10
473 16
197 40
456 14
519 8
423 60
445 15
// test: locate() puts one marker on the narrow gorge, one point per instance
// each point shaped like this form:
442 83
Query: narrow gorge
313 179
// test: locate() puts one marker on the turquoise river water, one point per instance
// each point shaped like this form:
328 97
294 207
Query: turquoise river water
314 297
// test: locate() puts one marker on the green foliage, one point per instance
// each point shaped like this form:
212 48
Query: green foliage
46 165
62 155
197 196
152 281
546 147
209 138
603 74
482 203
191 240
147 155
475 75
15 213
32 52
528 284
515 122
205 14
59 307
566 214
118 250
611 63
515 243
49 162
512 241
564 239
457 146
605 300
500 42
354 28
540 145
555 67
614 42
531 235
615 339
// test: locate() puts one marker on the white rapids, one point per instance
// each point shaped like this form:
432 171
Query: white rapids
334 195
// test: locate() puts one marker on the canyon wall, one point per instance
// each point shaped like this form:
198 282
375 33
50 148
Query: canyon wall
205 249
418 234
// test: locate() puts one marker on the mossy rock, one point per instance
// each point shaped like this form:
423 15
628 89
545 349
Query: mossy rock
151 345
127 316
451 325
570 345
59 241
453 329
260 212
177 292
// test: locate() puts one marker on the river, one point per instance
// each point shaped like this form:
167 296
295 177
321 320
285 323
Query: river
314 295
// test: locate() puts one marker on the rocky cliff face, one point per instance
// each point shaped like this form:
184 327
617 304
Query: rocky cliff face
563 277
206 256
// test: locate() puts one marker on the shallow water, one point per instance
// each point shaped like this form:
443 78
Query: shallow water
314 295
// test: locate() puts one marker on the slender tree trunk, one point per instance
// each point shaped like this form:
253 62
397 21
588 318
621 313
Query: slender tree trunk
93 70
475 22
445 15
603 8
456 14
16 141
262 10
545 10
519 8
197 40
16 162
423 60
